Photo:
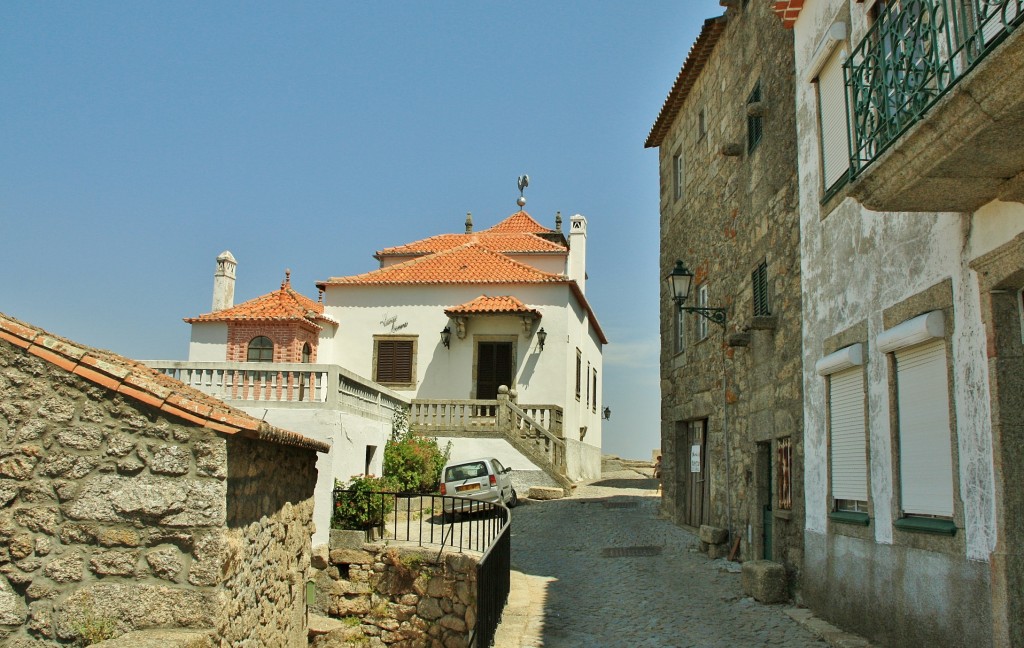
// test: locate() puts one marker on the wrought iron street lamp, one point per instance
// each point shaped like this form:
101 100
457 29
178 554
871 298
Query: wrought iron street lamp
607 413
542 335
446 337
680 281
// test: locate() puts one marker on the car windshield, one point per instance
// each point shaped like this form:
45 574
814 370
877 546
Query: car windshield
466 471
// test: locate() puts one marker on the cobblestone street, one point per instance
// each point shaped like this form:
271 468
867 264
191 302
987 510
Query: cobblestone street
575 588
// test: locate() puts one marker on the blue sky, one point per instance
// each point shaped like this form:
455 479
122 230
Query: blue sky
139 140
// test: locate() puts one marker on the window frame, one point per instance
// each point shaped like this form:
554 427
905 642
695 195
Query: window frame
855 373
761 303
828 188
579 370
679 331
702 302
249 348
413 347
679 175
755 123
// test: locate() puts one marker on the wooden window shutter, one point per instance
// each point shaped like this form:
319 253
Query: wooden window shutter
394 361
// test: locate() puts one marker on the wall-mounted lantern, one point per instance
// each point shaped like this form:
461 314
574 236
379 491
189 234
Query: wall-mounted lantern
542 335
607 413
446 337
680 281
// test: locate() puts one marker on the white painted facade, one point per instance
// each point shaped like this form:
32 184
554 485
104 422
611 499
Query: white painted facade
542 377
856 264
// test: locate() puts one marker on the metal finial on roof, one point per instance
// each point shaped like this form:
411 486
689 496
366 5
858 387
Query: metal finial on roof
287 277
524 182
558 221
469 223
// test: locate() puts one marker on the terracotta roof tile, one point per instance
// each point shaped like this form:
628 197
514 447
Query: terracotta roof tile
504 242
692 67
501 305
143 384
470 263
285 304
519 222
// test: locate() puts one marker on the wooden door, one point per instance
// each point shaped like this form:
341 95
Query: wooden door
696 471
493 368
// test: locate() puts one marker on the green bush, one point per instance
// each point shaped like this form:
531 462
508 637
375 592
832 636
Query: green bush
412 463
361 507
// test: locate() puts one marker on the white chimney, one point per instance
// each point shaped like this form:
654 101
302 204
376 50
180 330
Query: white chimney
578 251
224 281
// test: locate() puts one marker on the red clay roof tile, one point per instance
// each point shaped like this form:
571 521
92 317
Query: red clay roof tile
470 263
282 305
500 305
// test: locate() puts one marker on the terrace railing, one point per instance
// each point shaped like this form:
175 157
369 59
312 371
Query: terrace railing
286 384
535 430
916 51
482 527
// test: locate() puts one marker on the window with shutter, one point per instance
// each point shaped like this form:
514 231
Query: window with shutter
394 360
579 371
755 125
759 280
848 440
835 152
926 454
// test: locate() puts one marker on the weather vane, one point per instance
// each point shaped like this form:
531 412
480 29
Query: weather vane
524 182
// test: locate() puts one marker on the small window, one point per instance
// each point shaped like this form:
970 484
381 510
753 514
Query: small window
679 331
594 406
754 122
307 353
587 378
261 349
759 280
579 369
702 127
680 180
702 302
784 449
394 360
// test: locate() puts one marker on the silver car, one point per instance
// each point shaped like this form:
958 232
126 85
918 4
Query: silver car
485 480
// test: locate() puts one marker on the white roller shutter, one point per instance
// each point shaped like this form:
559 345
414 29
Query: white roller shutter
835 152
849 443
926 459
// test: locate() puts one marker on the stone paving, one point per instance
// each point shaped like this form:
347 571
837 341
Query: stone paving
569 593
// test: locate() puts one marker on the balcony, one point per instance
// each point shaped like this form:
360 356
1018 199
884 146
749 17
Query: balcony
935 101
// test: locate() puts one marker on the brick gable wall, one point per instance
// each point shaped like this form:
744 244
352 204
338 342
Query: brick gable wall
288 339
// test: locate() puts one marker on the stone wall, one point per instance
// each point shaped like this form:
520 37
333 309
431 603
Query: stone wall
737 210
397 597
117 517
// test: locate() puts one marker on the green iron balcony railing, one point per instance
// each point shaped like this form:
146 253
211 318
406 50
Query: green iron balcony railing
916 51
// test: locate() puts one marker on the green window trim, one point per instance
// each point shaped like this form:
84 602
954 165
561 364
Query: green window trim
850 517
927 525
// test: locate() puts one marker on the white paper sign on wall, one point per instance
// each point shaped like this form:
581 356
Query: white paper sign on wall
695 459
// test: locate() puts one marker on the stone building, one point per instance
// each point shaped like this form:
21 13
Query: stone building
132 503
910 128
731 392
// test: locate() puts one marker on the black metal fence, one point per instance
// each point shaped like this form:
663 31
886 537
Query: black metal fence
453 523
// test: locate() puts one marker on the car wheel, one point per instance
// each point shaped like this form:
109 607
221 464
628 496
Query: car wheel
513 499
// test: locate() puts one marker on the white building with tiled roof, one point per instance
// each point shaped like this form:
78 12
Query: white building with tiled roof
454 317
487 336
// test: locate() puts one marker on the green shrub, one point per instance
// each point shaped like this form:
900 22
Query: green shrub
361 507
413 463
